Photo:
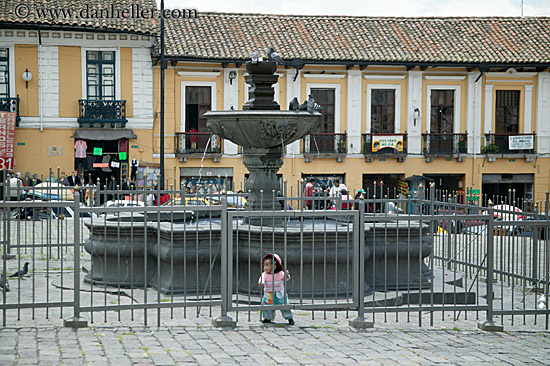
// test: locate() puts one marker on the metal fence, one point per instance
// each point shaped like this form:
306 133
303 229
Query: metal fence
371 256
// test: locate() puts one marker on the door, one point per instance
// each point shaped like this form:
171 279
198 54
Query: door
441 122
325 97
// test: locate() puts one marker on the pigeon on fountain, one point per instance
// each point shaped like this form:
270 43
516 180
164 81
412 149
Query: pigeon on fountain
303 106
294 104
255 57
274 56
312 106
4 284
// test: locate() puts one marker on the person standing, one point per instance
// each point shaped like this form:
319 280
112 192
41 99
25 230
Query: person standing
337 188
273 282
16 188
134 164
74 180
308 192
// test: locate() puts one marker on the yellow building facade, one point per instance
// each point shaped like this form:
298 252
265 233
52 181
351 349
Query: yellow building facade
455 158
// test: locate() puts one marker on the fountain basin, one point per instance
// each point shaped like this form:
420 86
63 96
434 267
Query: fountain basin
261 129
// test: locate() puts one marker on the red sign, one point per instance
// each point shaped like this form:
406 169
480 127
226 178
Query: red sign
7 136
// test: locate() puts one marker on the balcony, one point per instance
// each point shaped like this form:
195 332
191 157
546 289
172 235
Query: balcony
98 113
325 145
198 144
11 105
509 145
445 145
385 145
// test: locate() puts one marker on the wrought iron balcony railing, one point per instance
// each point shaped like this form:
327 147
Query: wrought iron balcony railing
11 105
385 145
326 143
445 144
509 143
189 143
97 112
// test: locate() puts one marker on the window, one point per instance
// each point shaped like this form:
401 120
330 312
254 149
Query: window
442 111
507 111
383 111
198 101
100 75
4 73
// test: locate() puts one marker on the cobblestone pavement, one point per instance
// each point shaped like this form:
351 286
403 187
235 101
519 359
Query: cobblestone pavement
268 345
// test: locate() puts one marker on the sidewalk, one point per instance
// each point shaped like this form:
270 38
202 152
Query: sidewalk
193 340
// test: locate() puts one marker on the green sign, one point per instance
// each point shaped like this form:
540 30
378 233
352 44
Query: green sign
98 151
135 146
448 159
381 159
20 144
122 156
511 160
473 191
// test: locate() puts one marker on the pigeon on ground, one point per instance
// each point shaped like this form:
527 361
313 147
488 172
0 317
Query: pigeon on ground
22 272
255 57
542 302
274 56
312 106
4 283
294 104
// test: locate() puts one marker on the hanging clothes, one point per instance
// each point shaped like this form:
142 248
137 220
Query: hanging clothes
123 145
80 147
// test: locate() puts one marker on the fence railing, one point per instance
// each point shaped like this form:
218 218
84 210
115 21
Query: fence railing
11 105
325 143
99 112
188 143
509 143
137 261
445 144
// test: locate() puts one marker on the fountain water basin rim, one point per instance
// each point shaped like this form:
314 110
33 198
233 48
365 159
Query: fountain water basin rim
262 129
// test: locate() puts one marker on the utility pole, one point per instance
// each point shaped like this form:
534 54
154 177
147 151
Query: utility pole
162 67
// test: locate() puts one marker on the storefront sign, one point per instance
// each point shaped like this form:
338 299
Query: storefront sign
520 142
384 141
7 137
98 151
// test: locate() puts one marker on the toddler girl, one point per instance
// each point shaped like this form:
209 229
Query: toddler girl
272 280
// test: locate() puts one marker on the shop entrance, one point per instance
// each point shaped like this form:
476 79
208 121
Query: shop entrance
497 188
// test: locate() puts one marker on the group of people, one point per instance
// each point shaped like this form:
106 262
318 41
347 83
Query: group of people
325 198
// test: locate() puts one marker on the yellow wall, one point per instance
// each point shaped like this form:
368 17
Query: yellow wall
126 79
26 57
70 80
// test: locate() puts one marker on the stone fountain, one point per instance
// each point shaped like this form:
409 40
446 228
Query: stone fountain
174 251
263 131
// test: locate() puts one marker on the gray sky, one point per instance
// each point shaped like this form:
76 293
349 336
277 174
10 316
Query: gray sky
371 7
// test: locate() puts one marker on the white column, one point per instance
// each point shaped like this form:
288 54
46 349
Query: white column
292 90
488 108
473 115
354 112
528 109
49 61
230 99
543 114
414 100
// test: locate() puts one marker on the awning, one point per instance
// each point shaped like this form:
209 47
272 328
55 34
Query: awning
104 134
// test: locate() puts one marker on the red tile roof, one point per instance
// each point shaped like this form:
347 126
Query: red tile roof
78 13
497 40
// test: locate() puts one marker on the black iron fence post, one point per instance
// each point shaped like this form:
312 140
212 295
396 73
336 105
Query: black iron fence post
489 324
76 321
359 269
224 320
